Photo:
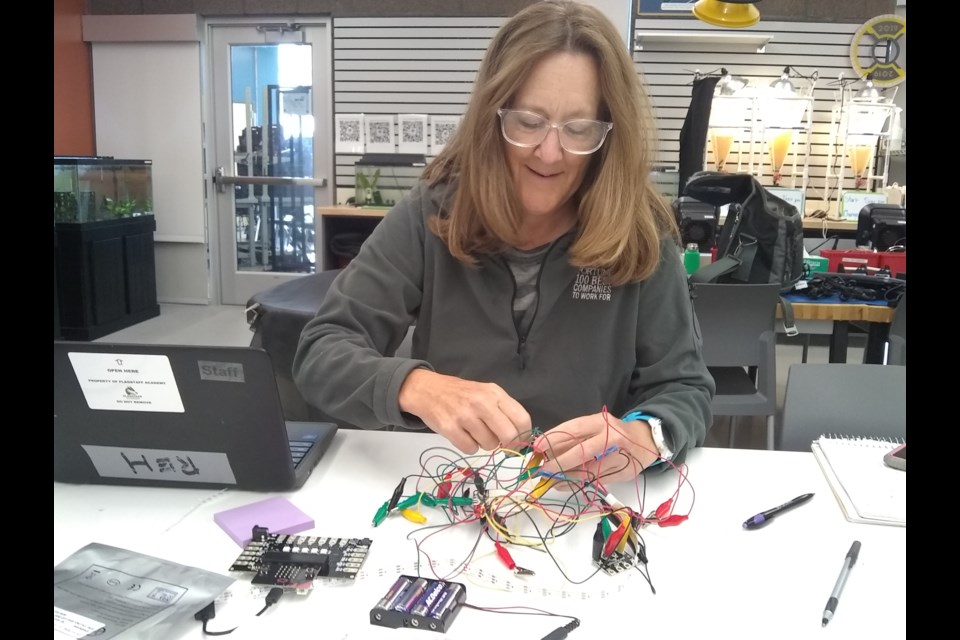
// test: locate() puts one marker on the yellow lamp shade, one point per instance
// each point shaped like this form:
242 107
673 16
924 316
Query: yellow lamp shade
726 14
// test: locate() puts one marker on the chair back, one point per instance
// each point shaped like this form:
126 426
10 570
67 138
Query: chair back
733 318
736 324
842 399
897 341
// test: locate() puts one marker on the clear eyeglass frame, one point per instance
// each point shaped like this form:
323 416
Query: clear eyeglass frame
604 128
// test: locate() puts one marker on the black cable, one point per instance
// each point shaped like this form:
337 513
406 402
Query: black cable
562 632
273 597
835 239
209 612
557 634
206 614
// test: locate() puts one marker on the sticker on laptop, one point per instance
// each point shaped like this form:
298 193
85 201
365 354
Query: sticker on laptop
127 382
161 464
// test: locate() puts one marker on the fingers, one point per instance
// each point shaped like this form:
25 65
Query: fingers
471 415
578 455
460 439
480 432
507 418
570 434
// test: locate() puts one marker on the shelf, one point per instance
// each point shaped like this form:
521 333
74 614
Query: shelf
648 38
352 212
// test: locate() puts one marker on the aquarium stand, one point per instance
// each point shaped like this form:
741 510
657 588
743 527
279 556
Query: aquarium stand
105 275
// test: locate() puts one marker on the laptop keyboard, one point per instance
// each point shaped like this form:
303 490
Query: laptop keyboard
299 449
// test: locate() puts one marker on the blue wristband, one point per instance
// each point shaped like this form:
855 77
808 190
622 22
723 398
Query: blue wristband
640 415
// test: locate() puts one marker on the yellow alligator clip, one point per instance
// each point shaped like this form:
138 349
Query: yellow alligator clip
414 516
542 487
535 460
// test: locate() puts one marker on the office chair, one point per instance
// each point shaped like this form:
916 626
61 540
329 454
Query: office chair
842 399
739 348
897 340
277 316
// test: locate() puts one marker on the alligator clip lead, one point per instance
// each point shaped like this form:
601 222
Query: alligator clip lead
507 560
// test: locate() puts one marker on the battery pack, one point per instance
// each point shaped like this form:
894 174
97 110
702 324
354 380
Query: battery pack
419 603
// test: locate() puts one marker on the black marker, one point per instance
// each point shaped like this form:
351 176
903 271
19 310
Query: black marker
761 519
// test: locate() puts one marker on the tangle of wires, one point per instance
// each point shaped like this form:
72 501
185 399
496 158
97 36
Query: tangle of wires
854 287
506 498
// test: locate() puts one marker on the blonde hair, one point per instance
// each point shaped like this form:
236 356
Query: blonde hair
621 215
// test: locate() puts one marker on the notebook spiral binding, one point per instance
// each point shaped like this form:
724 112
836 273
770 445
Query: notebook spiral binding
865 439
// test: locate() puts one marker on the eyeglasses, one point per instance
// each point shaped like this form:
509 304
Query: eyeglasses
527 129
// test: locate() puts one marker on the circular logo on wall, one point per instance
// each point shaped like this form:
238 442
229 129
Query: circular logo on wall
879 48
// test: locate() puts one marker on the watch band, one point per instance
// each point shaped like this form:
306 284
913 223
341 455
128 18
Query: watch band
656 430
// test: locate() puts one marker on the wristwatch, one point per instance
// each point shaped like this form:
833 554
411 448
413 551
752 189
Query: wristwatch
656 430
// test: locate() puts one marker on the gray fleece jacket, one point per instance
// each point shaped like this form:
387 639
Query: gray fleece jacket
631 347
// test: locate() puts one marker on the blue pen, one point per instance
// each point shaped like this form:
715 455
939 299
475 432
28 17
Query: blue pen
764 517
611 449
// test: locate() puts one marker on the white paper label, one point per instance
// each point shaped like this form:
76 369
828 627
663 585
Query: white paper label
127 382
73 625
161 464
296 104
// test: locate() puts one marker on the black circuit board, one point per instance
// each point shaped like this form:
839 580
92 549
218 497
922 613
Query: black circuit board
616 563
294 561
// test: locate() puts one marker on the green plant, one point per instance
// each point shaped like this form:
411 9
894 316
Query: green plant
371 195
65 208
120 208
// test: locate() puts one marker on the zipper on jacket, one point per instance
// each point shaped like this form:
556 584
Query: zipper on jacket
522 339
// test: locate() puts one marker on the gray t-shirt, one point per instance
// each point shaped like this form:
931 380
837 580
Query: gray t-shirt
525 265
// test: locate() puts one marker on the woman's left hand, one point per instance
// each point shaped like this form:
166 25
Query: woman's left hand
575 448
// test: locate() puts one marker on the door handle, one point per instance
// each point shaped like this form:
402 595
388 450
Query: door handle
222 180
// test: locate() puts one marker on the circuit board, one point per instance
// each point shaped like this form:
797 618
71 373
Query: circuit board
294 561
617 563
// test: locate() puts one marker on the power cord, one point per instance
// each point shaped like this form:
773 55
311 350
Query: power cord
557 634
562 632
209 612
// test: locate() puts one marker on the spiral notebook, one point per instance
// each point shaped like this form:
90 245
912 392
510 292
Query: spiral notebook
867 489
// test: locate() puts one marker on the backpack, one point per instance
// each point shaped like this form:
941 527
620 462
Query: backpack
761 240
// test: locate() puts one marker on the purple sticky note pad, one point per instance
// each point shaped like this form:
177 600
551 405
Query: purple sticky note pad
277 514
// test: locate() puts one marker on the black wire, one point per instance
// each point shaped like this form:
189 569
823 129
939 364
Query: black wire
828 239
646 576
519 613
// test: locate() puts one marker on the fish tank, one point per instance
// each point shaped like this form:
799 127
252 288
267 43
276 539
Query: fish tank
382 179
94 188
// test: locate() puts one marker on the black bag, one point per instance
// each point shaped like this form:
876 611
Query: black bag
761 240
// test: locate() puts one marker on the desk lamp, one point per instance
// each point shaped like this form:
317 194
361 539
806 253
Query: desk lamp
869 117
729 117
734 14
783 110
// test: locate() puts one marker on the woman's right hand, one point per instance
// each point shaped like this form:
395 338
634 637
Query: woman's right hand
471 415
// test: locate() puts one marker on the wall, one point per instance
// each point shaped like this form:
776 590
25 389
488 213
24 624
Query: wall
809 10
72 83
147 85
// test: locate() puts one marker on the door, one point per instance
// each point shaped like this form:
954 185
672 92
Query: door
272 153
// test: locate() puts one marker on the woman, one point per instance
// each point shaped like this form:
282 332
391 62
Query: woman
539 264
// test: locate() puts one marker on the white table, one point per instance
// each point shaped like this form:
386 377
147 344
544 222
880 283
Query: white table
713 578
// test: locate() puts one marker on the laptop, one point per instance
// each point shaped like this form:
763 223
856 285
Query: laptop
176 416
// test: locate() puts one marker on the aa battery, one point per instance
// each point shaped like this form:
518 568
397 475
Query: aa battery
429 598
446 602
389 601
409 598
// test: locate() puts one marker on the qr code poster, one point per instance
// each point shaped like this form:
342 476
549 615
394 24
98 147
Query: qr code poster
442 129
413 133
379 133
349 132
